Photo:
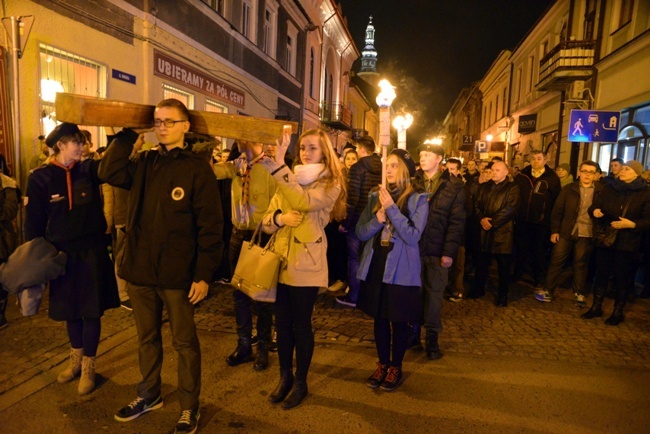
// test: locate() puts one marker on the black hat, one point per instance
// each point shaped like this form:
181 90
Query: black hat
406 158
62 130
429 147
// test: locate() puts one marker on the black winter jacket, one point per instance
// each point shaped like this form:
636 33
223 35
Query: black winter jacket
566 209
612 199
364 175
537 195
445 229
500 203
174 219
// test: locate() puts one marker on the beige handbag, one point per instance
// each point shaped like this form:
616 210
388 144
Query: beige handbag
258 268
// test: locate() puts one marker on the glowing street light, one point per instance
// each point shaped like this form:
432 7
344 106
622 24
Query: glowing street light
384 100
433 141
401 124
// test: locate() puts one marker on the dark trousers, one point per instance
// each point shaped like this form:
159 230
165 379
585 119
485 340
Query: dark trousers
434 282
400 336
531 246
243 312
623 265
483 268
354 252
582 248
293 309
147 310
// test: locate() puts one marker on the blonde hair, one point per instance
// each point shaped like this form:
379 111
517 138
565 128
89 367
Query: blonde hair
332 166
403 184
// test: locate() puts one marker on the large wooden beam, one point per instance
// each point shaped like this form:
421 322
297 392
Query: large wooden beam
91 111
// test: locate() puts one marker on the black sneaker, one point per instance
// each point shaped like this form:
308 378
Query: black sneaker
393 379
375 380
188 423
138 407
126 304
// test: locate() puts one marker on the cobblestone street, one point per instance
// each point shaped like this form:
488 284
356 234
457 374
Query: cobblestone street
526 328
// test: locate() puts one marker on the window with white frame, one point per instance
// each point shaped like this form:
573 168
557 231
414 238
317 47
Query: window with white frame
290 53
176 93
531 73
248 22
217 5
270 30
62 71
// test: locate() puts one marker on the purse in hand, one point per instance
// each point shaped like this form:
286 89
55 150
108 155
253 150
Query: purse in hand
258 268
604 233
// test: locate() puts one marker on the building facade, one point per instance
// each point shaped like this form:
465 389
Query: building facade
263 58
580 55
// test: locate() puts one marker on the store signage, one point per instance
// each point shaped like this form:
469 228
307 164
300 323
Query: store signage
480 146
527 124
594 126
167 67
123 76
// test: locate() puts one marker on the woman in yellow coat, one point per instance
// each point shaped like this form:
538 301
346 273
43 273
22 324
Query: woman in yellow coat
305 201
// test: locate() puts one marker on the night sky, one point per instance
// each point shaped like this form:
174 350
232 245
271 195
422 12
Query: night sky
431 49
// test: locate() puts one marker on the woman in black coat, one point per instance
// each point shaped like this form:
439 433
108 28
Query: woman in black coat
628 191
63 204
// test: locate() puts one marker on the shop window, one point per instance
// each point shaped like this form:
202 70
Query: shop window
215 107
176 93
62 71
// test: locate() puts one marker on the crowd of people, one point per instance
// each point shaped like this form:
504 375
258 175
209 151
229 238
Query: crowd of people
176 217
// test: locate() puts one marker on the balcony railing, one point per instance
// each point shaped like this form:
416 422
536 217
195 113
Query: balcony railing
565 63
335 116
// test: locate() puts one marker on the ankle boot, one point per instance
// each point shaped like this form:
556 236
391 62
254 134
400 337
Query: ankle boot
284 386
242 354
297 394
617 315
74 367
3 308
87 381
262 361
414 339
596 309
433 349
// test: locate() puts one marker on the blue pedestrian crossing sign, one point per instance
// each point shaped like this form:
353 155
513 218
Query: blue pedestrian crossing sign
594 126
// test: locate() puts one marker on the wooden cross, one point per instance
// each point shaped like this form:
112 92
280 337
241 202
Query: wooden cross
101 112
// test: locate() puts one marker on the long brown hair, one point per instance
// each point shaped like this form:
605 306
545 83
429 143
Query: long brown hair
332 166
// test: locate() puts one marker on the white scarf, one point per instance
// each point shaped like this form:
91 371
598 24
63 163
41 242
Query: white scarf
308 173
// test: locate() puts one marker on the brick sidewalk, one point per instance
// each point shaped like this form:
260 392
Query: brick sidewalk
526 328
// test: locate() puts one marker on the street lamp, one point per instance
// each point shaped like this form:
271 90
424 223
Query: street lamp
384 100
401 124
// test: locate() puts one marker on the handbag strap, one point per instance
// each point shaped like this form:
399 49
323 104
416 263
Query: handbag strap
627 205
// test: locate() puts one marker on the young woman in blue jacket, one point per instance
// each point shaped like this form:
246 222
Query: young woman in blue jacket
389 270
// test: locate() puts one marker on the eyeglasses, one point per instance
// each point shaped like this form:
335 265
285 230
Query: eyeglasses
167 122
588 172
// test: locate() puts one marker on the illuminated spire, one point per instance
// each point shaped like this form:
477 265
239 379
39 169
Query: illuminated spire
369 54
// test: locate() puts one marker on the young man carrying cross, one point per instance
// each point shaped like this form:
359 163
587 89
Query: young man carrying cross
173 246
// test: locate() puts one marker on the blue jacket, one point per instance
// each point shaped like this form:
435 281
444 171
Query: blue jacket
403 262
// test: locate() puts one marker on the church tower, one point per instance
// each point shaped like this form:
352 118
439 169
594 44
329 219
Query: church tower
369 57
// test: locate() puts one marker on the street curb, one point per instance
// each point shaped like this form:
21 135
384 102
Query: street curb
48 376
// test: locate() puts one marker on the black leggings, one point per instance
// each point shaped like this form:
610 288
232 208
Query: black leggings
401 333
84 333
293 309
